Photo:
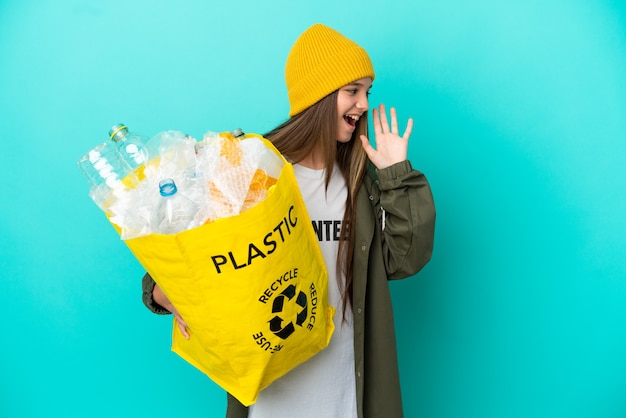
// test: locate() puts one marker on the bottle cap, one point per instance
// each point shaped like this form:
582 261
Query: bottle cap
167 187
237 132
118 132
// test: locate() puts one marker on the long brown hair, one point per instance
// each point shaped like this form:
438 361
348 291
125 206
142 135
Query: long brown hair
315 129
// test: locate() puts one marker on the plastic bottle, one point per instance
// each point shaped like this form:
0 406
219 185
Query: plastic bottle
107 174
175 212
131 146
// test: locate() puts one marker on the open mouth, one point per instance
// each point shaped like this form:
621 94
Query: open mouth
351 119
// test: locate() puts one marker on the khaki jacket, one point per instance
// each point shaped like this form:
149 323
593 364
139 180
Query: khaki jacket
395 248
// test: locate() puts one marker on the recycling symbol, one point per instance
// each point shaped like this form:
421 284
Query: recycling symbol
285 305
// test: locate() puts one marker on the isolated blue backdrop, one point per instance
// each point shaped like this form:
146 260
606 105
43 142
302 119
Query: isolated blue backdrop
520 111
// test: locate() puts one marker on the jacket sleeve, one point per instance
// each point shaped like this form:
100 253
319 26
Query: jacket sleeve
406 212
147 285
235 409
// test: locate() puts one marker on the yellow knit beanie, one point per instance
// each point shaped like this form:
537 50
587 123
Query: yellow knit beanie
321 61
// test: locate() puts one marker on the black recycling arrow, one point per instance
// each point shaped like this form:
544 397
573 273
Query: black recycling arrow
277 306
290 291
275 324
301 301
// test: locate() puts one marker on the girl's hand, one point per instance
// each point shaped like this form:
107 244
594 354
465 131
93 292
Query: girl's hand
160 298
391 148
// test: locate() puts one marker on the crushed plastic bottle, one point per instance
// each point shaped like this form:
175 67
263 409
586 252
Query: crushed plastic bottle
108 175
175 211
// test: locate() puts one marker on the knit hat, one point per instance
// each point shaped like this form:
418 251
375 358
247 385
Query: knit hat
321 61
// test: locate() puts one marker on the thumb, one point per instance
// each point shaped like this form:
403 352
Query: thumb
182 326
367 147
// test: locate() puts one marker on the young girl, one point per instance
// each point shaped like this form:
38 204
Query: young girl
374 217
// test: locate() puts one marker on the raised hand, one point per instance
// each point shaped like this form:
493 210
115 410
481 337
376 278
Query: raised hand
391 148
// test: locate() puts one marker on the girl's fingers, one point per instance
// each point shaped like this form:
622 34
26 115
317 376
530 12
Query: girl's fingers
376 122
381 123
182 326
394 120
383 119
409 128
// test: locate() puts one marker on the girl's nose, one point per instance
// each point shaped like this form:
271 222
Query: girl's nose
363 103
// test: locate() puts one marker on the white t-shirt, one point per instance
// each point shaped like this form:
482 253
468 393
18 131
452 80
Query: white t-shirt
324 386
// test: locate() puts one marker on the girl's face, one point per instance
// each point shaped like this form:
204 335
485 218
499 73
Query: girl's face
351 105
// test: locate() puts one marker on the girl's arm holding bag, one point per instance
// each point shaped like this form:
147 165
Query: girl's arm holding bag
155 300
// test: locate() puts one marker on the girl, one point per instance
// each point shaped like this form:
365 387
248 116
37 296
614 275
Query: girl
374 217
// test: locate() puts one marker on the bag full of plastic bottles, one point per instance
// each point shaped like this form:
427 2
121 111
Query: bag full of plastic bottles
221 226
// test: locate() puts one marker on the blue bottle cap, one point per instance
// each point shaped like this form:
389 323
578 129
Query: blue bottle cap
167 187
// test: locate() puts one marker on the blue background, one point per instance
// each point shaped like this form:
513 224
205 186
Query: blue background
520 111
